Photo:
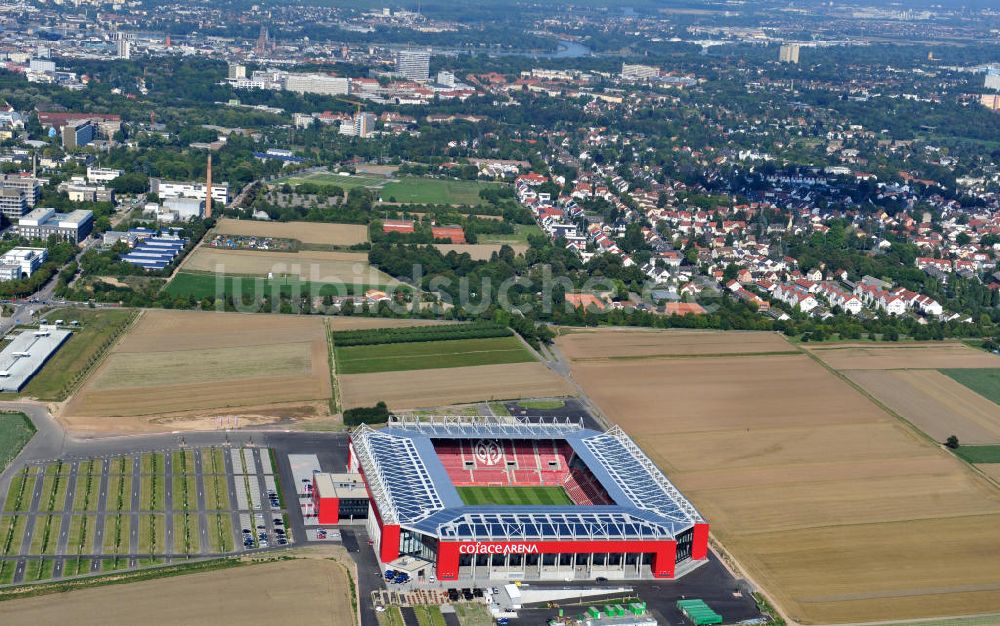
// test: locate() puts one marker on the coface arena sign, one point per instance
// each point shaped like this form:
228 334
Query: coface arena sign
498 548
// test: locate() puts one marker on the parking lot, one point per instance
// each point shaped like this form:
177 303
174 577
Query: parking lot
76 516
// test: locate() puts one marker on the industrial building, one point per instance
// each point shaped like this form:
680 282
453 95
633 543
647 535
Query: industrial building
26 354
44 222
623 518
18 263
176 189
152 251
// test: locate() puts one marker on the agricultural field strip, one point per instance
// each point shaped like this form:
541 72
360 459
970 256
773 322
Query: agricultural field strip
430 355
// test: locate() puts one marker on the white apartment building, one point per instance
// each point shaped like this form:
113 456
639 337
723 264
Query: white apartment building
414 64
318 83
20 263
102 175
176 189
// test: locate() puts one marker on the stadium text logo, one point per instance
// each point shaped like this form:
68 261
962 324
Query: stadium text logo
497 548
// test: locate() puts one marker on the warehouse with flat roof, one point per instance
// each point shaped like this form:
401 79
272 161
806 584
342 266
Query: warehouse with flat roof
27 353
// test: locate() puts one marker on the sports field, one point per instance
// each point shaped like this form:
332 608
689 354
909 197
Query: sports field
836 508
319 233
408 189
514 496
393 357
334 180
193 363
433 191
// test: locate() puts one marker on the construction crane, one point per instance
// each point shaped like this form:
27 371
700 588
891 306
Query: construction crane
356 103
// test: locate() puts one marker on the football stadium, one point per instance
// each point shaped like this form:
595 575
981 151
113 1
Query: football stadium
508 499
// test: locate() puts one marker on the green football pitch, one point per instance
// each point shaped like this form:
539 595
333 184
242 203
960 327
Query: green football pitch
516 496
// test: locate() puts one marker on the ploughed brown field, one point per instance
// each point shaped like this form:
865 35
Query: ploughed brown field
934 403
174 362
413 389
288 592
306 232
837 509
634 343
936 355
308 265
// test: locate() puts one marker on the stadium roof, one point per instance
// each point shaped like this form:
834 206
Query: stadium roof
411 487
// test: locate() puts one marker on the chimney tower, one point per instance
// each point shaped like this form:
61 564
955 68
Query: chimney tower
208 189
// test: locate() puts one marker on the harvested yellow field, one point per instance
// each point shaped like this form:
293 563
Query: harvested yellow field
438 387
635 343
479 251
192 362
314 266
934 403
307 232
298 592
990 469
937 355
834 507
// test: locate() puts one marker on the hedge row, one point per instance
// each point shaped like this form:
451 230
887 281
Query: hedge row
475 330
378 414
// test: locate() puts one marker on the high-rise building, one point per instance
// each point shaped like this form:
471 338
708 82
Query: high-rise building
993 79
414 64
639 72
124 48
237 71
364 124
12 202
789 53
77 133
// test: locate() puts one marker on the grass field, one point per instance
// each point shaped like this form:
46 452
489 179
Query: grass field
803 476
15 431
979 454
393 357
429 615
171 363
984 381
83 349
433 191
519 236
514 496
542 405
